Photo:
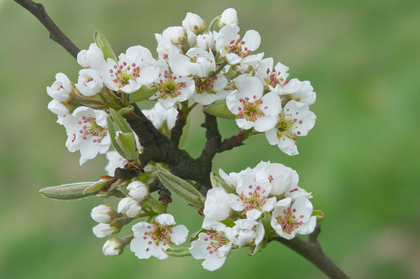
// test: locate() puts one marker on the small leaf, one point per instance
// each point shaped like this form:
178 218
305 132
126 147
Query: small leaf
219 110
181 188
143 93
319 215
72 191
218 182
155 205
178 251
127 143
120 121
113 134
104 46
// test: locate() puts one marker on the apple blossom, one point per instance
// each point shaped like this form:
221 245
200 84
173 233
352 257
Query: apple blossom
234 49
252 108
133 69
289 218
172 88
90 82
294 120
216 206
62 89
213 246
87 131
152 239
248 232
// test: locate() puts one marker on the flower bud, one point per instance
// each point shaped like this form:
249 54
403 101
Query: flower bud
176 34
129 207
205 41
62 89
229 16
101 230
113 247
90 82
91 57
194 23
138 190
103 213
58 108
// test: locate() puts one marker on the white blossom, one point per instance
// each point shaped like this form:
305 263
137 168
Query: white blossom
229 16
289 218
294 120
129 207
90 82
87 131
194 23
62 90
152 239
138 190
252 108
103 213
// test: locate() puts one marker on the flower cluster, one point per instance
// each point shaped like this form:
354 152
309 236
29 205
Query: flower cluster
255 198
212 68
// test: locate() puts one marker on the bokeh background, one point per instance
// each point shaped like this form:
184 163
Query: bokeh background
360 161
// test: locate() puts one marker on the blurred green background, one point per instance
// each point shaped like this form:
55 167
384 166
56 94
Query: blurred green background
360 161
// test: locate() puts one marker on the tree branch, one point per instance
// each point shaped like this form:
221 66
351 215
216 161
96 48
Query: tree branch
56 34
311 250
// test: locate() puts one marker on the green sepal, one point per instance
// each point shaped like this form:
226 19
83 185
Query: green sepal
143 93
155 205
319 215
181 188
127 143
113 134
178 251
120 121
266 222
104 46
218 182
229 223
72 191
95 187
126 110
219 110
254 249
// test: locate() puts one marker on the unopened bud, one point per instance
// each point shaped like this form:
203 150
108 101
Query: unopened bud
229 16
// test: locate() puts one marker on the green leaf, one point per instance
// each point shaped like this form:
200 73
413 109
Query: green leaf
127 143
113 134
155 205
181 188
120 121
178 251
143 93
104 46
219 110
319 215
218 182
72 191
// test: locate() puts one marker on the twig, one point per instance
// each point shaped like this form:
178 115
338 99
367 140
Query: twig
311 250
56 34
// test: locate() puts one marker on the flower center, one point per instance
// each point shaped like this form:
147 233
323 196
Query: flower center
286 125
237 47
274 78
92 129
169 87
215 241
254 199
288 221
205 84
124 72
158 234
251 110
